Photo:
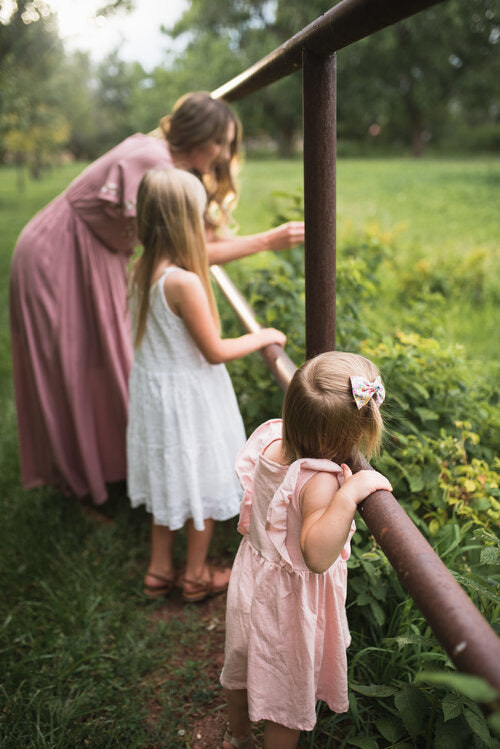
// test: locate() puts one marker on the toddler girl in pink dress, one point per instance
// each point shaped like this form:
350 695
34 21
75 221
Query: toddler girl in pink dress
286 626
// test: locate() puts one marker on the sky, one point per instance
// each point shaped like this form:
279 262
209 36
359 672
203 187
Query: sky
137 34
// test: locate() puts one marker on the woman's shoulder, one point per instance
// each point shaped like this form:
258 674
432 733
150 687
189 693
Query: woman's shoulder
147 151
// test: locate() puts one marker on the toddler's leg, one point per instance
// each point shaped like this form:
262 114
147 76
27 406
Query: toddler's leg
280 737
239 722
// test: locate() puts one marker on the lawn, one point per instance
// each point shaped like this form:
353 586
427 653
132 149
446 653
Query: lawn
84 661
443 213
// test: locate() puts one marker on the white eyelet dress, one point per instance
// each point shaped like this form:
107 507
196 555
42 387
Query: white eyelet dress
184 427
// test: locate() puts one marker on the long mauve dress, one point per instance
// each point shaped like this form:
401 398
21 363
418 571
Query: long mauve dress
71 341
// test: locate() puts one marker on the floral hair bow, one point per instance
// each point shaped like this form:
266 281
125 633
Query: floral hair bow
363 390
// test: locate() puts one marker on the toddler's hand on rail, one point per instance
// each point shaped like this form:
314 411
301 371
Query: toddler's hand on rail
271 335
286 236
358 486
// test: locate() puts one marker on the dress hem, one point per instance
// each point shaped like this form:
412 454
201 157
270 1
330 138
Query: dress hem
178 525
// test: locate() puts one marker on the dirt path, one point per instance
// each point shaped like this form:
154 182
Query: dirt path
207 730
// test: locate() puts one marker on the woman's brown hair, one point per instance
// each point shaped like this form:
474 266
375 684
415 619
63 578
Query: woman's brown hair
196 119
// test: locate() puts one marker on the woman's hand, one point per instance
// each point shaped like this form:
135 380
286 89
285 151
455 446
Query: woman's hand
285 236
358 486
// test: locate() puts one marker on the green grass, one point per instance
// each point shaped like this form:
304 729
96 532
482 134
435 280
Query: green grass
79 657
437 206
444 212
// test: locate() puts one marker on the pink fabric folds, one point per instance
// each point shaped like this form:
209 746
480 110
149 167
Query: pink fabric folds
71 341
245 467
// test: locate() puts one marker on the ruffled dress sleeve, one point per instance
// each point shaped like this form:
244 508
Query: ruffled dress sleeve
105 195
288 494
121 181
246 460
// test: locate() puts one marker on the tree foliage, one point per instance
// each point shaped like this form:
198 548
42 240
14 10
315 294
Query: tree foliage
430 79
414 81
418 79
31 54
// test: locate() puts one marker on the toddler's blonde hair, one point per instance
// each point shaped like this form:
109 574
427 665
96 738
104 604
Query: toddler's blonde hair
170 206
320 416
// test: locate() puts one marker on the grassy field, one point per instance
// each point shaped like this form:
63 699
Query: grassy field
443 212
83 662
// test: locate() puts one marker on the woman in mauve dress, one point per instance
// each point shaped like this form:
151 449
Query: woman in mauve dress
71 340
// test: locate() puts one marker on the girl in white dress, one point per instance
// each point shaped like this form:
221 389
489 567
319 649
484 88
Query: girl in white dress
184 426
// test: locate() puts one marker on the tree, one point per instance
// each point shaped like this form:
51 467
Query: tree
409 78
408 82
48 100
75 81
33 124
227 37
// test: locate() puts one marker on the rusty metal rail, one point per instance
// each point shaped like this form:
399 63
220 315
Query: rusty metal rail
275 357
465 635
345 23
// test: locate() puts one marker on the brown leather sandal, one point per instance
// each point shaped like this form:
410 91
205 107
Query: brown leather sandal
158 591
245 743
195 591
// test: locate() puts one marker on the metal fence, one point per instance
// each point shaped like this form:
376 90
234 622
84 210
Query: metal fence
465 635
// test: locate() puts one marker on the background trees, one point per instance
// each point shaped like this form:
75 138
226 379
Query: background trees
428 81
32 116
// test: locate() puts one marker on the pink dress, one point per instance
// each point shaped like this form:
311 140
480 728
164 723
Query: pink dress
71 342
286 627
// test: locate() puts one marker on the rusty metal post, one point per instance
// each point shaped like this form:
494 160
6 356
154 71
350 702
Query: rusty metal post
320 153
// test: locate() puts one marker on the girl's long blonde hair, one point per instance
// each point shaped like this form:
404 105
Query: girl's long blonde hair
170 206
320 416
196 119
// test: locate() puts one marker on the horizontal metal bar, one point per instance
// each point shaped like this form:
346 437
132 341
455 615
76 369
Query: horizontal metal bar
345 23
275 357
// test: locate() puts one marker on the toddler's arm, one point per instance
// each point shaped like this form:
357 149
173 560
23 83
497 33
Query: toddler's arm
328 511
186 296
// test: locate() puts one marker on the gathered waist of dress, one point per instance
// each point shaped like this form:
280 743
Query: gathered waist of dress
270 555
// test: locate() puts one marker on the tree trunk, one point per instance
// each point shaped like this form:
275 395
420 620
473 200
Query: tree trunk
285 143
417 142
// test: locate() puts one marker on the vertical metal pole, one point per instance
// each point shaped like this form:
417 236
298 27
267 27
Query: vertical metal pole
320 152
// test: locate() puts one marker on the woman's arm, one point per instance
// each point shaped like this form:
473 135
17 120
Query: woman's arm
282 237
328 511
187 298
